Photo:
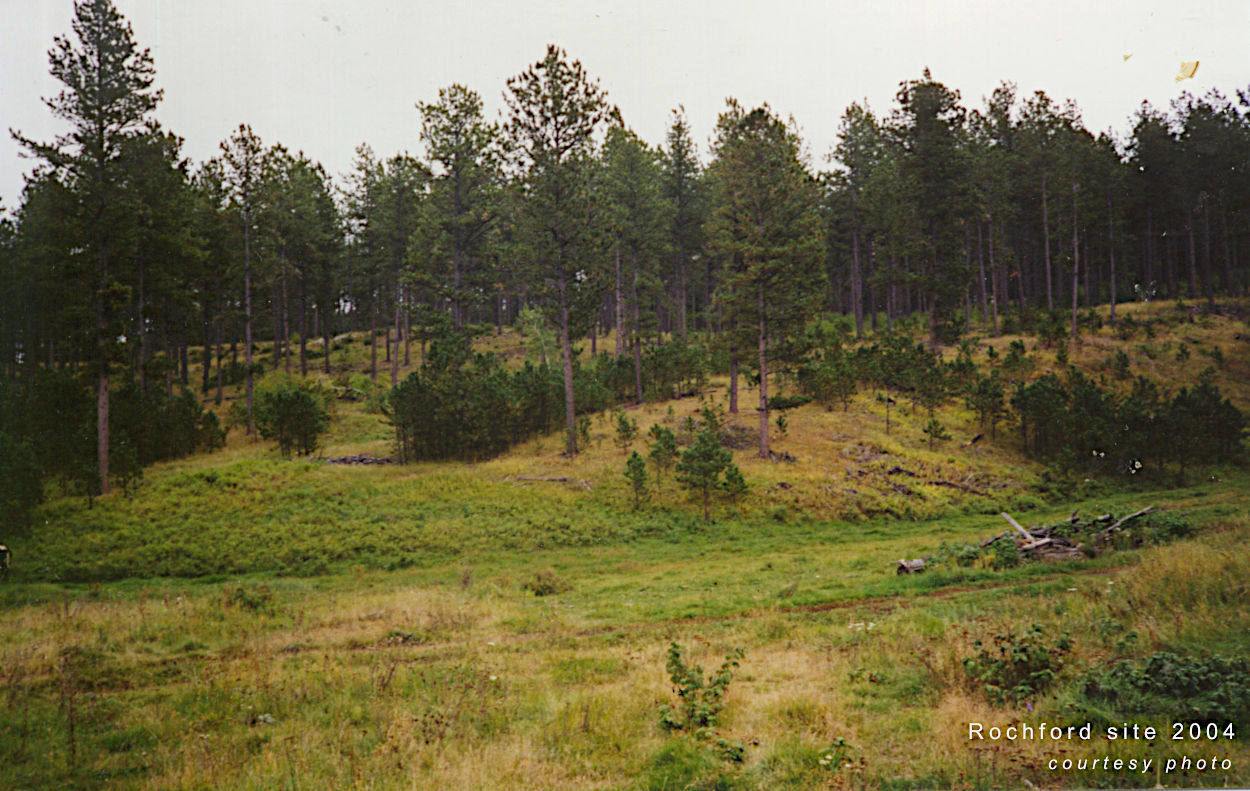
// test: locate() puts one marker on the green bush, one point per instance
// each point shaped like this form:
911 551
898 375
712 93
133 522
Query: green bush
1180 688
700 700
21 482
292 412
545 582
1018 666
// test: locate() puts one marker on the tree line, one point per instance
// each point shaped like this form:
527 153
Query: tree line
125 261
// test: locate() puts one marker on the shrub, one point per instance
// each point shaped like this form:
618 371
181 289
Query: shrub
735 485
1120 365
1019 666
626 430
1017 359
702 465
291 412
21 482
936 432
544 582
663 451
636 474
700 700
788 402
1181 688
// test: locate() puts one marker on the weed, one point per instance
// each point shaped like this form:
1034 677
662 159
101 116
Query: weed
1020 666
700 700
545 582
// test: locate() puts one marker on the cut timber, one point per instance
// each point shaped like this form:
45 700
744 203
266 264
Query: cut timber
960 486
1017 526
562 479
914 566
1116 525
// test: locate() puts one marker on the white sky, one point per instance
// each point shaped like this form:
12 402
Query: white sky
325 75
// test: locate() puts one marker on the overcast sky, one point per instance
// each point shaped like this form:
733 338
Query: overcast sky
324 76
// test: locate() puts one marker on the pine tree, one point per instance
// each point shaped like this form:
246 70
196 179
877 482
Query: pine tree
663 450
636 474
243 162
702 465
765 224
463 155
107 99
555 110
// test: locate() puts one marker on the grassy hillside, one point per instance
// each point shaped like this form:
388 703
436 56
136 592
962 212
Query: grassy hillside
244 621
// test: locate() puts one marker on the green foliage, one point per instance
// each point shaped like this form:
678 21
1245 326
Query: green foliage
663 453
1017 359
936 432
636 474
700 700
703 463
1197 689
626 430
829 381
1120 365
253 598
735 485
986 399
783 424
1018 667
21 483
545 582
1050 329
293 412
1075 422
788 402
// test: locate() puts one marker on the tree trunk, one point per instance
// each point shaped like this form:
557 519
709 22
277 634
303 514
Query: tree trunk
1111 253
373 338
1050 296
247 313
1207 277
570 417
143 332
637 332
985 299
1076 261
681 293
1193 258
994 278
619 306
763 330
102 427
857 284
733 380
286 325
303 328
457 283
221 383
399 331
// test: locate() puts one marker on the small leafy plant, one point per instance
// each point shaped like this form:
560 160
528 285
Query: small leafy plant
700 700
1018 666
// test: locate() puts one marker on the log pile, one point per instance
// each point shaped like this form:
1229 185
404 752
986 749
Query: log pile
1064 540
1059 541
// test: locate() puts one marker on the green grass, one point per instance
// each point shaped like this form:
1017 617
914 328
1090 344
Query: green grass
249 622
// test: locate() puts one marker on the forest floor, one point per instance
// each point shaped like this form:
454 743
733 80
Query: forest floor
243 621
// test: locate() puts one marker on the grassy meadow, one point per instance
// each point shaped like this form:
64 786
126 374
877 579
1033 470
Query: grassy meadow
248 622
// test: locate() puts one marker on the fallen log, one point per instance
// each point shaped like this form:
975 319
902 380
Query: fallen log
914 566
561 479
961 487
1124 520
1011 521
